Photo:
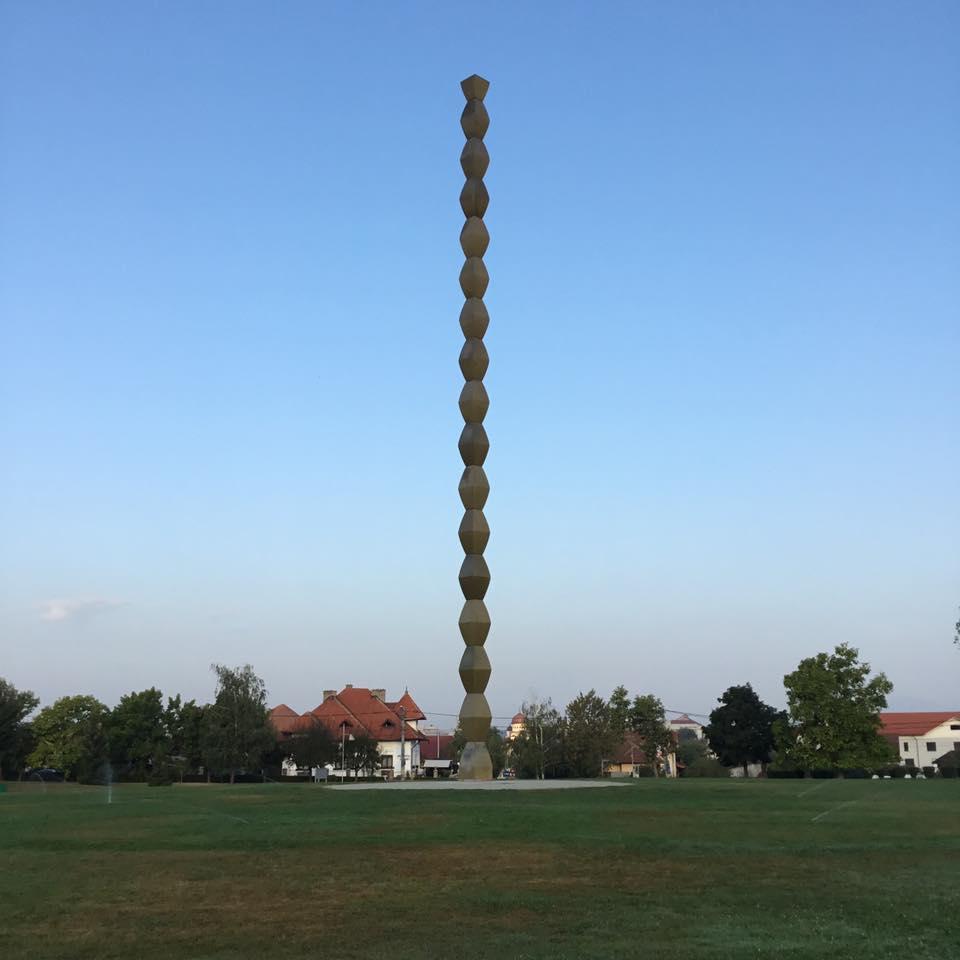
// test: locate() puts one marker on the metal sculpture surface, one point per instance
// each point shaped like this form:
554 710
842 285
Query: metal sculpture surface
475 763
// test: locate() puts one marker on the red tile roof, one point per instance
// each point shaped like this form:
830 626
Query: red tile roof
362 712
358 709
914 724
683 719
518 718
284 719
631 750
409 704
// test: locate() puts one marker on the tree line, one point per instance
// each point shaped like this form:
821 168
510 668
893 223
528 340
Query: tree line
142 736
831 723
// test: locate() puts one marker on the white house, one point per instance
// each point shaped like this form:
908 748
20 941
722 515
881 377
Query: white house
921 738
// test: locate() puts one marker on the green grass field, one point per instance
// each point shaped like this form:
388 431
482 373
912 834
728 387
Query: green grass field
679 869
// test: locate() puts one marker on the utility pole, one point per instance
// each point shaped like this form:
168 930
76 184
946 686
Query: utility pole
403 730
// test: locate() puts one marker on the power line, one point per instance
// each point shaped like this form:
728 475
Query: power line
688 713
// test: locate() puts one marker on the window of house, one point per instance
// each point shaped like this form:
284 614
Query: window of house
955 726
906 748
386 762
931 746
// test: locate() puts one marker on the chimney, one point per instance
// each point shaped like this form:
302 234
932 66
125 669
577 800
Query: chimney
380 693
348 686
327 694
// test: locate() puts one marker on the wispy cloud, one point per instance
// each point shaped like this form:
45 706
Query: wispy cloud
56 611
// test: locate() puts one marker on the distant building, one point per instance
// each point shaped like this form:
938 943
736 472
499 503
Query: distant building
683 722
436 754
515 727
628 760
921 739
356 711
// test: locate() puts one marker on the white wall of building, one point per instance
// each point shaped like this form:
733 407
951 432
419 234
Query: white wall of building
935 743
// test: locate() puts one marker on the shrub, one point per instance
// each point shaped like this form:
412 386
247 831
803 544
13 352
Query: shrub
929 771
643 771
706 767
949 772
898 772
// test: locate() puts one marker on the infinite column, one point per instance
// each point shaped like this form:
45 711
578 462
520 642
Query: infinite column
475 761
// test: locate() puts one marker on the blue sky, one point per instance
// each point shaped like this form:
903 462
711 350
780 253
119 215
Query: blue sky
724 345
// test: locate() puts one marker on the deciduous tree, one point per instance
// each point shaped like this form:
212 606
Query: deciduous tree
537 752
834 714
136 730
648 719
71 736
362 755
15 733
184 722
237 733
588 735
740 731
313 745
619 710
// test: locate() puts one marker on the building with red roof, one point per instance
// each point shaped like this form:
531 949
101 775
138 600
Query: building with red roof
627 759
922 738
684 722
360 711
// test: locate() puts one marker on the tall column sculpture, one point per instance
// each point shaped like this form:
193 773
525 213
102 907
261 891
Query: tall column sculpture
475 763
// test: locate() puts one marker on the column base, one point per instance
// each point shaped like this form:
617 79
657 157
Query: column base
475 763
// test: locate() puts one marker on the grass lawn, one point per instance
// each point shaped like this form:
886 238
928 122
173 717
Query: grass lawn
677 869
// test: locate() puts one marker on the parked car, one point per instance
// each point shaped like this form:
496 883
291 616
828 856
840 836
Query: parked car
46 774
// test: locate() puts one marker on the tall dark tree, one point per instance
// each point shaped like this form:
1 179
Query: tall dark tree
648 719
184 722
137 731
15 732
362 755
619 709
833 718
237 731
740 731
71 735
588 736
313 745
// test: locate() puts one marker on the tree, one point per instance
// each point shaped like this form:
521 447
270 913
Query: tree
136 730
537 751
312 746
834 714
71 736
15 732
237 732
588 737
619 709
740 731
361 754
691 749
184 722
648 719
496 747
